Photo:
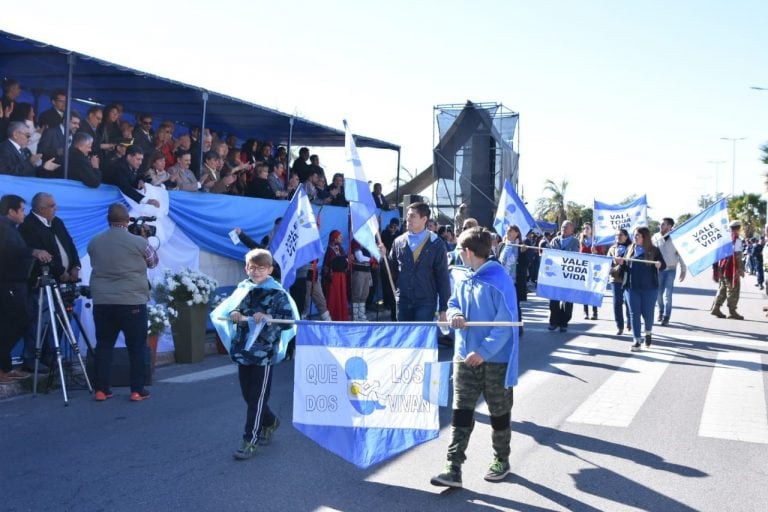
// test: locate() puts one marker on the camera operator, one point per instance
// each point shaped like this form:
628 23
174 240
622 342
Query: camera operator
16 260
120 292
43 230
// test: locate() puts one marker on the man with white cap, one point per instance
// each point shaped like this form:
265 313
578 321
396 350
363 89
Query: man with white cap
728 273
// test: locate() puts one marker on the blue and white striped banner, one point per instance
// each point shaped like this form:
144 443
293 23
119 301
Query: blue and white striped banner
358 389
704 239
573 277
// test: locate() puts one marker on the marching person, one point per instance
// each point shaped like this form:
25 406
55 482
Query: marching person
120 292
667 276
728 273
619 250
485 358
560 312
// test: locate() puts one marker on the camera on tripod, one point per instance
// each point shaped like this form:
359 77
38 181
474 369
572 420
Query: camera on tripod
139 226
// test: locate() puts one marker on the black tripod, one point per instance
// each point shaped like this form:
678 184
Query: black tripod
58 313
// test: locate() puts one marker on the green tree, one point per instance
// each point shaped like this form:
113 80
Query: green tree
552 208
683 218
749 209
578 214
764 159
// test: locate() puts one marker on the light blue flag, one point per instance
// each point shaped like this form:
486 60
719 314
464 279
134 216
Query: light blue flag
437 381
358 388
573 277
362 209
297 240
511 211
704 239
609 218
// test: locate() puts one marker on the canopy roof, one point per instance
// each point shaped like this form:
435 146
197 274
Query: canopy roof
42 68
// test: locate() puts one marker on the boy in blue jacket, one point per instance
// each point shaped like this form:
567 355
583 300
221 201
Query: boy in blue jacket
485 358
256 345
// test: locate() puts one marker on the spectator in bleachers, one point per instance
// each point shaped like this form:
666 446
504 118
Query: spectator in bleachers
11 91
315 160
378 197
156 173
143 135
111 157
126 175
25 113
232 141
164 143
182 143
277 180
293 185
91 127
322 196
336 190
126 130
109 129
209 174
16 159
265 154
52 142
181 175
83 166
300 165
226 184
249 151
282 156
260 187
55 115
197 168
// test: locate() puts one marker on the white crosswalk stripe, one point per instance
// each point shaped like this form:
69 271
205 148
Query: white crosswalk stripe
619 399
735 405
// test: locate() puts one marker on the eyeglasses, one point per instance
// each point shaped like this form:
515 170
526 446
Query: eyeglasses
258 268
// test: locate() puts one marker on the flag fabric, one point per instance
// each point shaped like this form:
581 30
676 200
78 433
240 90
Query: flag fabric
608 218
704 239
297 240
362 209
573 277
437 381
512 210
358 389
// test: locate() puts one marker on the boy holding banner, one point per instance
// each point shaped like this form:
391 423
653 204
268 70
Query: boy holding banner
485 358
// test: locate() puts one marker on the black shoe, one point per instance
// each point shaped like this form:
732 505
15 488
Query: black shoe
619 332
594 316
586 316
451 477
552 328
563 329
635 347
665 321
660 319
648 340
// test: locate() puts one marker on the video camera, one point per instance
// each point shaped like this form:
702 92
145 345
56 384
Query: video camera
139 226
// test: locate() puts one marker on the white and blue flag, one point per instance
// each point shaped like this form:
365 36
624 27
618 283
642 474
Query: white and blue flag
358 389
573 277
704 239
297 241
437 382
511 211
362 209
609 218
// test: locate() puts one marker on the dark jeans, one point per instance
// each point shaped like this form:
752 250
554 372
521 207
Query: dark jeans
409 312
759 270
255 384
110 319
641 306
560 313
618 305
13 320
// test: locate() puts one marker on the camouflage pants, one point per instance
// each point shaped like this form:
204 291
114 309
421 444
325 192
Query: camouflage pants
728 292
468 384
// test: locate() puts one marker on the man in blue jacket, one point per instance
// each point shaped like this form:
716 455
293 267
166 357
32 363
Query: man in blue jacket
419 267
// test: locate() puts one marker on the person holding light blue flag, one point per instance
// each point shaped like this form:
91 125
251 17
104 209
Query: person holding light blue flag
512 211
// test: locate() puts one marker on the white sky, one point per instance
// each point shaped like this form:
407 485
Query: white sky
618 97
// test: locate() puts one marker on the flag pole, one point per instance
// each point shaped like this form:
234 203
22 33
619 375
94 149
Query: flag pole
385 257
290 321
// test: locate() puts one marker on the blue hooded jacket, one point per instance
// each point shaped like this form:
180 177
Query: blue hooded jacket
487 294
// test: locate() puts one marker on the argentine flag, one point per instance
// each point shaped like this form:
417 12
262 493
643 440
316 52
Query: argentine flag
362 209
704 239
358 389
573 277
609 218
297 240
511 211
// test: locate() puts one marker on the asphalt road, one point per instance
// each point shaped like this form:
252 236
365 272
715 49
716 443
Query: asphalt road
682 426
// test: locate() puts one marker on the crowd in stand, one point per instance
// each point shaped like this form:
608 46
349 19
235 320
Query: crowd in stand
104 147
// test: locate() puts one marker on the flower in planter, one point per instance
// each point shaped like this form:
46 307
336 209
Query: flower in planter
186 286
159 318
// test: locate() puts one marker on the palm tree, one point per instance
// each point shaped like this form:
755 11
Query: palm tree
552 208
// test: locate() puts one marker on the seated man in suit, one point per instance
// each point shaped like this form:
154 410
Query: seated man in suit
83 166
16 159
43 230
126 176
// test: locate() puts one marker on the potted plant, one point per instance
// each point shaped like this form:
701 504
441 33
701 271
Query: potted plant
188 292
159 318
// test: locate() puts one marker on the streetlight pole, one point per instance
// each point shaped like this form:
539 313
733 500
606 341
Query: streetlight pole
717 175
733 162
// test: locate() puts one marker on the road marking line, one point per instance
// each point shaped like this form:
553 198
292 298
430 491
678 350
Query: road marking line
724 340
213 373
618 400
735 404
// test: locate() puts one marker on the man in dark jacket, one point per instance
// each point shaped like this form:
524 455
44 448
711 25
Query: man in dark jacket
126 176
52 144
16 159
82 166
419 266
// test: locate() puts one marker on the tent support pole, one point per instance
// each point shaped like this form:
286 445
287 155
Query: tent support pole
397 182
71 59
199 171
290 142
